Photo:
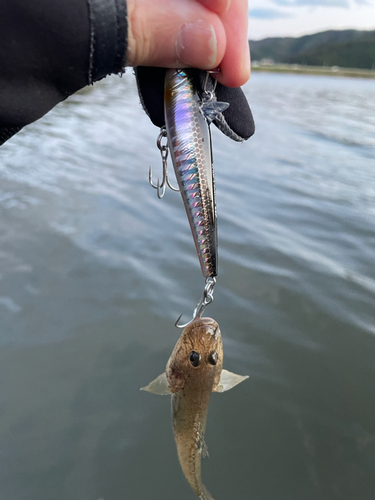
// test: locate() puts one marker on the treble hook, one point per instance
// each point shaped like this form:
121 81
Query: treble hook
210 106
158 186
204 301
163 148
209 94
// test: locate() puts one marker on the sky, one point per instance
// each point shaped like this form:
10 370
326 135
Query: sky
269 18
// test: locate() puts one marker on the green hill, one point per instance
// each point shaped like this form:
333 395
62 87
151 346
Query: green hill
347 49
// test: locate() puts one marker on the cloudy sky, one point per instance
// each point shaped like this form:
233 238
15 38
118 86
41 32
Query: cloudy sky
300 17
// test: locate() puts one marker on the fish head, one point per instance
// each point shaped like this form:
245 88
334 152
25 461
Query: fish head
196 361
197 358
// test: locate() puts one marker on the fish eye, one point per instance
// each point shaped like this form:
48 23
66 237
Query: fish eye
213 357
195 358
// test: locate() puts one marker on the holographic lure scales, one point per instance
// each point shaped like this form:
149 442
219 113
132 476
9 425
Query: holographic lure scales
189 142
188 115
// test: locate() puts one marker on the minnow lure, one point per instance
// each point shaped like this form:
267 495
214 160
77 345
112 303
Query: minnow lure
193 372
188 114
189 144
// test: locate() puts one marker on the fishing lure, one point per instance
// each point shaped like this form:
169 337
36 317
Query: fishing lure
188 114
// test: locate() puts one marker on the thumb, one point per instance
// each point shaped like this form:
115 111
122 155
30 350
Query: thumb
170 34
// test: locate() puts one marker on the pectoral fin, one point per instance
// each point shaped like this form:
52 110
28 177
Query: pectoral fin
158 386
228 380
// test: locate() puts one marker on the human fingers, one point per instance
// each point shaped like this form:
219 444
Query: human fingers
235 65
172 34
218 6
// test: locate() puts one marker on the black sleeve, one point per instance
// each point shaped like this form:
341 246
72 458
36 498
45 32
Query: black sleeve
49 49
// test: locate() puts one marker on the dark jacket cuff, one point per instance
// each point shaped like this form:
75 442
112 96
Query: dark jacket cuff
50 49
108 38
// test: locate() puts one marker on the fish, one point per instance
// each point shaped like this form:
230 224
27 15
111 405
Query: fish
187 116
194 370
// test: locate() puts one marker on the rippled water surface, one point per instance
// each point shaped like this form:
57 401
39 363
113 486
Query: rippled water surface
94 270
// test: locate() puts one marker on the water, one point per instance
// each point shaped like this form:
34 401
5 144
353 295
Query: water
95 270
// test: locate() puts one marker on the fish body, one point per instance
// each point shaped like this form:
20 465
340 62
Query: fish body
194 370
189 142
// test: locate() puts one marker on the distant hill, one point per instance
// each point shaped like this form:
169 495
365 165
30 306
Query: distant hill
347 49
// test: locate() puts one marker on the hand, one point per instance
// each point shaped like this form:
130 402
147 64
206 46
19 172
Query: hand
203 34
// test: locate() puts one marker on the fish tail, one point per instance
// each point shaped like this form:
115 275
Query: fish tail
205 494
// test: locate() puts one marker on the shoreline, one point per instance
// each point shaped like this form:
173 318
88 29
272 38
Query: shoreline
314 70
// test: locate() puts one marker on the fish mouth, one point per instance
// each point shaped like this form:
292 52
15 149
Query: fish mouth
210 325
204 321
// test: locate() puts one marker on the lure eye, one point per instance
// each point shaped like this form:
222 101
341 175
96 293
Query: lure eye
195 358
213 357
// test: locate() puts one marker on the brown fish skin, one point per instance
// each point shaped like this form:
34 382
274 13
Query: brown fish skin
191 388
194 370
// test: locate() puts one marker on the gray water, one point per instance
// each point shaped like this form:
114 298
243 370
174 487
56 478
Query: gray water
94 270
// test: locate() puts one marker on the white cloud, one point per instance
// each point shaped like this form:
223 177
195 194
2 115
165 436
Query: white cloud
268 14
300 17
315 3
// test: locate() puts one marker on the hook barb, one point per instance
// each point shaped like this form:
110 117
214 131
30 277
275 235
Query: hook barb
169 183
160 187
150 178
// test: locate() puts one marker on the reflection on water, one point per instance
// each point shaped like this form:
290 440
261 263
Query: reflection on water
94 270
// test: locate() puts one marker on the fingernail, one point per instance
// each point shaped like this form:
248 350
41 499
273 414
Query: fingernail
196 44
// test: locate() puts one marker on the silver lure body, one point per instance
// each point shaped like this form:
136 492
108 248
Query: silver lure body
189 142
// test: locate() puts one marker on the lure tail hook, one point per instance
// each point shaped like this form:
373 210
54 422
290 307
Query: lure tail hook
205 300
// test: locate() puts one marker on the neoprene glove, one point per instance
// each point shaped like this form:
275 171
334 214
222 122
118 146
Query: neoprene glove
236 121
